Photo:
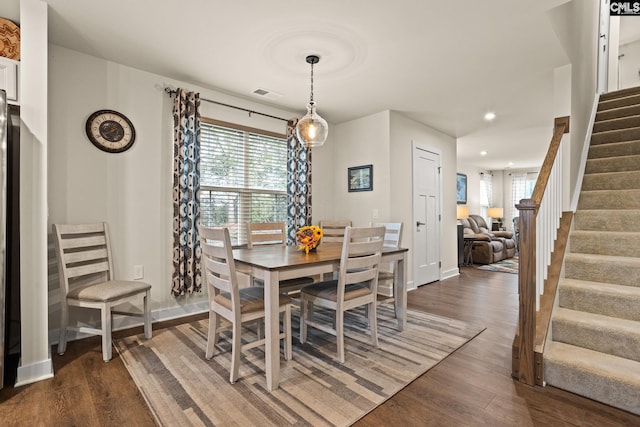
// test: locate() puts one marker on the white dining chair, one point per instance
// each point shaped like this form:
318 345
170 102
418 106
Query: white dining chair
260 234
333 231
356 286
236 305
85 268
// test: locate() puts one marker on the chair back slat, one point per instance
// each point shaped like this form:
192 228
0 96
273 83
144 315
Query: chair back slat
392 235
83 251
333 231
219 265
361 254
266 234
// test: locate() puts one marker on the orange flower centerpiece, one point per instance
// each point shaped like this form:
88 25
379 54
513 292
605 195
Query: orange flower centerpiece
309 237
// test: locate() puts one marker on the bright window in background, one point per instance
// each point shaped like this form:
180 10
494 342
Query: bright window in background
243 177
522 185
486 194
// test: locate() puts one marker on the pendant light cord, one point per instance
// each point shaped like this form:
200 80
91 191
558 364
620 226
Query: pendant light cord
311 99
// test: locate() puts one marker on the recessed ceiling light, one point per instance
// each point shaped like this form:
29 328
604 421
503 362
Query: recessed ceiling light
483 153
490 116
510 163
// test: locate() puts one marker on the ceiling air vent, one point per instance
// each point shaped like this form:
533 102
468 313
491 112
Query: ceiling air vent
266 93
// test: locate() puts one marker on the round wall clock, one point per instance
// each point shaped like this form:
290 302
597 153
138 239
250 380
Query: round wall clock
110 131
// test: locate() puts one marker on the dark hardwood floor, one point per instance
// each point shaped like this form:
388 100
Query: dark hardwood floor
472 387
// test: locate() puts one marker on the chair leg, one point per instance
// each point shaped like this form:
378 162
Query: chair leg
303 322
235 350
212 334
106 332
287 333
340 334
64 322
373 323
147 315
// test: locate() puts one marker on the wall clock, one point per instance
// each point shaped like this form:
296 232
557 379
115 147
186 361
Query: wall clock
110 131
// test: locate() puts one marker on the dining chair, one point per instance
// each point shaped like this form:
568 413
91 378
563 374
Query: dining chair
273 234
85 269
386 271
333 231
236 305
356 286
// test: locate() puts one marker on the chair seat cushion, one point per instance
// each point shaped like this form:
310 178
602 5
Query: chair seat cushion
251 299
108 291
329 290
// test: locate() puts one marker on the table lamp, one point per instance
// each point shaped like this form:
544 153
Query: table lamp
462 212
496 214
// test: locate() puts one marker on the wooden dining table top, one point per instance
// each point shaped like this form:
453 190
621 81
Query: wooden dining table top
282 257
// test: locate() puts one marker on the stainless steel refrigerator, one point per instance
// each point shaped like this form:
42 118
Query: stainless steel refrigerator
4 141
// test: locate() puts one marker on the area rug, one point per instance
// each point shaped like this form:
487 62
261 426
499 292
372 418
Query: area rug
505 266
183 388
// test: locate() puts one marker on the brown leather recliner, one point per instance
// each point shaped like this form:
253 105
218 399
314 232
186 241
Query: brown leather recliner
505 236
487 247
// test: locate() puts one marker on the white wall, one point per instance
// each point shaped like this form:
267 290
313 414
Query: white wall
576 25
130 190
629 65
35 357
362 141
404 132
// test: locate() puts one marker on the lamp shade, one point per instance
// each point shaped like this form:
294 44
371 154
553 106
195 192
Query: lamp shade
495 212
462 212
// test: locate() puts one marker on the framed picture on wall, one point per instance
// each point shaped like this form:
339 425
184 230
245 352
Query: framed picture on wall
461 188
360 178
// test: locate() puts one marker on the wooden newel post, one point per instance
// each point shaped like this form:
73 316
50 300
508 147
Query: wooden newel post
523 366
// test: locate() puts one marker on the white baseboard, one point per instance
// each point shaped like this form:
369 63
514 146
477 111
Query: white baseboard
34 372
120 322
450 273
411 286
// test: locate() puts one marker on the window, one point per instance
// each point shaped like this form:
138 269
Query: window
243 177
522 185
486 193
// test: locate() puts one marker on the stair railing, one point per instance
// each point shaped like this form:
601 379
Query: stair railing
538 224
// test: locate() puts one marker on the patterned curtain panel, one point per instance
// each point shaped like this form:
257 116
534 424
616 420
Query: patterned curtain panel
186 186
298 183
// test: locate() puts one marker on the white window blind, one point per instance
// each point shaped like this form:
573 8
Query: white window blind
243 177
486 193
522 185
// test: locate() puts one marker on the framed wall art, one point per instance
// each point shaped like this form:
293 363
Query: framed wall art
360 178
461 188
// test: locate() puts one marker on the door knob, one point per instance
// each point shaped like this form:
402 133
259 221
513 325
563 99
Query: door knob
418 223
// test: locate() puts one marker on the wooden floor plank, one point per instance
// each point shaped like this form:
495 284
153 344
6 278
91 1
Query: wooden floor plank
472 387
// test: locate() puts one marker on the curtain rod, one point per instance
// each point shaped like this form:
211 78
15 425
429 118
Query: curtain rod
173 92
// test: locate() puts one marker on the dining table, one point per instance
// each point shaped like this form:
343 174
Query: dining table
275 263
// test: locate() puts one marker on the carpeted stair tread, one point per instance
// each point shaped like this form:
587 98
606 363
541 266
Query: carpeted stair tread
609 379
622 93
613 164
606 334
620 101
614 149
607 220
606 299
614 243
605 137
616 123
631 110
626 180
610 199
603 268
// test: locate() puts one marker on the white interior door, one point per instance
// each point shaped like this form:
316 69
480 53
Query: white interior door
603 49
426 216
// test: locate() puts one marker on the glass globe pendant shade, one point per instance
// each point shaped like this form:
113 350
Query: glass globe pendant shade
312 130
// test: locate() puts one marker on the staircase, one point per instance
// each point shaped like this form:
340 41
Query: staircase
595 347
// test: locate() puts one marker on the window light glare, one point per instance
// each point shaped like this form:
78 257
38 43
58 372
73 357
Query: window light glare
490 116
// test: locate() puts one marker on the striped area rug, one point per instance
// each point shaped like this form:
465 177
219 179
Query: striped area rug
509 265
183 388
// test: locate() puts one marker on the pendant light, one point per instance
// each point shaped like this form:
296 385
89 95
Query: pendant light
312 129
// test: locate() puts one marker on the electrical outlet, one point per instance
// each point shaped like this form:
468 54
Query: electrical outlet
138 272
